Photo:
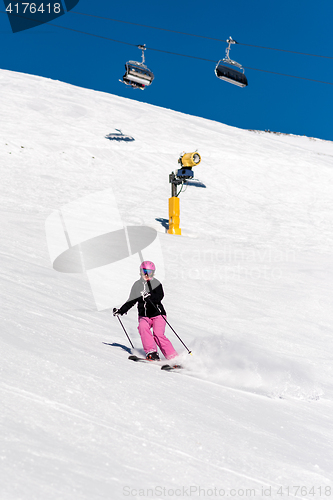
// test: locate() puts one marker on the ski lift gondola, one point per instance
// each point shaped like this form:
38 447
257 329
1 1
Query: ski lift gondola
230 74
137 74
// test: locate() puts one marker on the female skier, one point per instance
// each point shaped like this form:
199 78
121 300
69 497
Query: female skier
148 293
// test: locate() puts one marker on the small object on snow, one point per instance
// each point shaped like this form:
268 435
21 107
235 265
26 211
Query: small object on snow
119 136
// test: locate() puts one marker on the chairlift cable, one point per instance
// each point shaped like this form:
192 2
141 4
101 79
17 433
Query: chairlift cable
92 34
77 31
290 76
285 50
150 27
200 36
177 53
183 55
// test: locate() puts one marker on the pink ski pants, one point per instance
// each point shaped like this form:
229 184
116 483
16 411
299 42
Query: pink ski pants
151 341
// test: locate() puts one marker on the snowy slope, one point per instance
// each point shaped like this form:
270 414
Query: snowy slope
248 288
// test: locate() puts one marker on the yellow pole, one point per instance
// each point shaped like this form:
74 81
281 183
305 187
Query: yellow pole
174 213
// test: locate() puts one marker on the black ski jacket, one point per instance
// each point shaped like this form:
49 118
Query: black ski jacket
149 307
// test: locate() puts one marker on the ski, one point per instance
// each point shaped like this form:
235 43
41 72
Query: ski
165 367
170 368
136 358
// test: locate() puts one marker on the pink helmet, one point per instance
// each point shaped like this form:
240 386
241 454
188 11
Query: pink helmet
147 264
147 269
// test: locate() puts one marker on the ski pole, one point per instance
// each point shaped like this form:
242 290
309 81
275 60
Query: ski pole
124 329
167 322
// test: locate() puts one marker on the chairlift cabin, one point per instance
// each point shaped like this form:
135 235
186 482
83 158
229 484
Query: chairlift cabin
226 69
137 74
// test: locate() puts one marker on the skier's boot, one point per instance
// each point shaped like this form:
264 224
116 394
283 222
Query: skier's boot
153 356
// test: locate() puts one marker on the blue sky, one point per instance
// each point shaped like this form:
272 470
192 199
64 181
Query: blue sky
270 102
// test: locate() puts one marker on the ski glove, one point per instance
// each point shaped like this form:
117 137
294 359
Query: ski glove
116 312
